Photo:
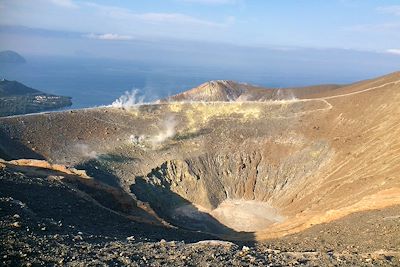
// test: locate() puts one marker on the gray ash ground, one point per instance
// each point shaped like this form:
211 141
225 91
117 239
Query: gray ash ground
43 222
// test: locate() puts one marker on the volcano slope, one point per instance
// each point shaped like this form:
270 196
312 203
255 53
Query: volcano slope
312 180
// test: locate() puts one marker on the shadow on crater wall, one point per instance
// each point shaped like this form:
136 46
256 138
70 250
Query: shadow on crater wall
99 167
62 204
12 149
179 211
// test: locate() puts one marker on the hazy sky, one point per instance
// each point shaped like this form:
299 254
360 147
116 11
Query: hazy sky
177 44
345 24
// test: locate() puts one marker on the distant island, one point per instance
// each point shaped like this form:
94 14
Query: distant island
9 56
16 98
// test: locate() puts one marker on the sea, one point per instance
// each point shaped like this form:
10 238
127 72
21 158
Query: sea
95 82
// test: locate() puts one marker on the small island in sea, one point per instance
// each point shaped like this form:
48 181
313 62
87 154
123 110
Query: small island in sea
9 56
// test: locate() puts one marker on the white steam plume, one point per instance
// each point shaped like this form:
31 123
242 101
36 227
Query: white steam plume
128 100
167 131
284 95
84 150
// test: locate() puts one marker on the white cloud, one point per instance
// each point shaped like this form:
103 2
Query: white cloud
109 37
173 18
118 13
112 22
65 3
383 27
210 2
394 10
393 51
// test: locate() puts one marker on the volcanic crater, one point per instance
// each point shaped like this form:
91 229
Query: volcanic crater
244 164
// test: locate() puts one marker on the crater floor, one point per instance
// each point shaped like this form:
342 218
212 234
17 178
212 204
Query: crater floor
246 215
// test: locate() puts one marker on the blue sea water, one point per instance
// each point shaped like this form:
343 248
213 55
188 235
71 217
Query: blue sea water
94 82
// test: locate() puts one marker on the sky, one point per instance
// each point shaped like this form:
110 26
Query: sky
185 42
365 25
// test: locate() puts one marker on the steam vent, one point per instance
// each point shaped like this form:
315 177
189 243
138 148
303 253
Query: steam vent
224 161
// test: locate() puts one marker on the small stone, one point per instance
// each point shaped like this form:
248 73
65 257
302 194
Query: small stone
130 238
78 237
16 216
245 248
252 259
43 228
16 224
